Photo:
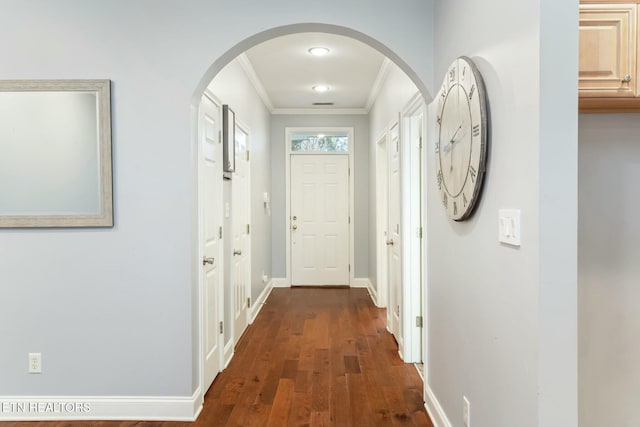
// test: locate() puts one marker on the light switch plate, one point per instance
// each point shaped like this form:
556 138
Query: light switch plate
509 226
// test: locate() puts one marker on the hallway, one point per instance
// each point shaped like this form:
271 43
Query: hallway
313 357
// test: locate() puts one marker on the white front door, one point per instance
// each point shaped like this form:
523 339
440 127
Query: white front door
210 185
394 242
319 219
241 229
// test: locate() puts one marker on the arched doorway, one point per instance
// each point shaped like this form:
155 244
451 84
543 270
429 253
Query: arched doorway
215 68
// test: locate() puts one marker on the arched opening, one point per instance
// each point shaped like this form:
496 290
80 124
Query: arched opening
255 40
263 36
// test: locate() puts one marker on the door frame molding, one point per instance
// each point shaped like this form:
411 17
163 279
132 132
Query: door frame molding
288 131
382 201
413 248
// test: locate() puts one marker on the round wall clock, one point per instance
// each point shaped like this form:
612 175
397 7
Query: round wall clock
461 146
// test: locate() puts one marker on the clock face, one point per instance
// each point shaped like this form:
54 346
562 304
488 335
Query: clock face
461 146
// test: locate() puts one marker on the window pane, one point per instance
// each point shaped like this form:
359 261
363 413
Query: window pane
324 142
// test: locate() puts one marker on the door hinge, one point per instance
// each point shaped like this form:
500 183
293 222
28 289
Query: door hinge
247 155
221 327
248 229
349 219
420 143
219 137
349 171
248 302
349 268
419 321
419 232
220 232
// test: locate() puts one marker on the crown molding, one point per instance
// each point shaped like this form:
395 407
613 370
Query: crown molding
246 65
377 84
319 111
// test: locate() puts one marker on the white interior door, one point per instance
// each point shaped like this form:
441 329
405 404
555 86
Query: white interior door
319 230
394 242
241 228
210 185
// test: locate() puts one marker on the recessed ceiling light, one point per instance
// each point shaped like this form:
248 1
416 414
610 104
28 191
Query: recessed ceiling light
320 88
318 51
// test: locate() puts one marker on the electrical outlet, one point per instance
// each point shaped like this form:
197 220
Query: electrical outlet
466 412
35 363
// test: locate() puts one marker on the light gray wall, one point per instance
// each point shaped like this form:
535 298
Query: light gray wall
231 86
608 270
395 93
491 312
360 124
93 293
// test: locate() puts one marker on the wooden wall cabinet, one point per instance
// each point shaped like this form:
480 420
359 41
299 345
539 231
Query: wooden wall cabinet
608 77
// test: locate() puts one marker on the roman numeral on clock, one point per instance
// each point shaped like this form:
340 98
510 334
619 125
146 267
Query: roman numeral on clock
476 130
473 173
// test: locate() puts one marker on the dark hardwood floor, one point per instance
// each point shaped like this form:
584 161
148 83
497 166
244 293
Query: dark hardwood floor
313 357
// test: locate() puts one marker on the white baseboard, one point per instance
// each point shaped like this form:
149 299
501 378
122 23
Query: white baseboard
436 413
360 282
47 408
364 282
280 282
229 351
259 303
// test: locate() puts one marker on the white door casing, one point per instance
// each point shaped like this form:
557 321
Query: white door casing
382 210
394 241
241 220
319 229
412 278
210 222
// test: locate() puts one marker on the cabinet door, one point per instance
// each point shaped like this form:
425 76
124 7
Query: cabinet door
608 50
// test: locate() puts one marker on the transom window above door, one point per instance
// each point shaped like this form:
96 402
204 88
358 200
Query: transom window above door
325 142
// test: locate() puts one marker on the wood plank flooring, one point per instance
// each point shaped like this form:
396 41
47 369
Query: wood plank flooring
313 357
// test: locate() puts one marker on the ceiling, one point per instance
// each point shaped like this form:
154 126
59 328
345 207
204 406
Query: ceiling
284 72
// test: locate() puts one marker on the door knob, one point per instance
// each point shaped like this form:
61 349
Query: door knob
295 227
626 79
237 252
206 260
390 242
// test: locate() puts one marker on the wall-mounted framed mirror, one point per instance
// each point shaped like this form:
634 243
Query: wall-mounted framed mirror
55 153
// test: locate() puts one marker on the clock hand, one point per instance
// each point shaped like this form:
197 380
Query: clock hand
453 138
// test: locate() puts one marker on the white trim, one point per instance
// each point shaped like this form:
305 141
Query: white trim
411 212
385 67
382 201
366 283
251 74
288 132
280 282
435 411
229 351
320 111
260 301
360 282
148 408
